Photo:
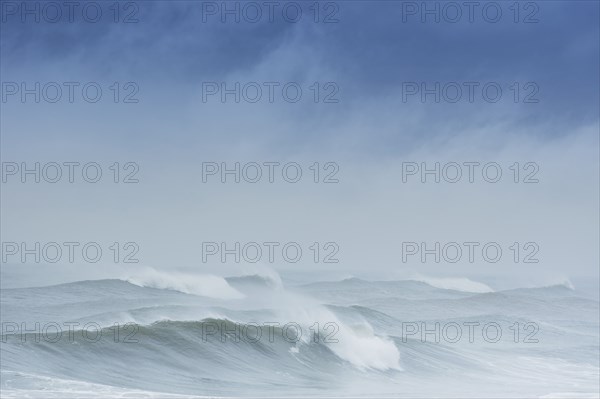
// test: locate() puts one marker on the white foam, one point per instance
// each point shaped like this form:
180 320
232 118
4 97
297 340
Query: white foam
356 344
455 283
362 348
198 284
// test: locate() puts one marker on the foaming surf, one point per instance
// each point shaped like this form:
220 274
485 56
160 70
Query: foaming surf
185 335
203 285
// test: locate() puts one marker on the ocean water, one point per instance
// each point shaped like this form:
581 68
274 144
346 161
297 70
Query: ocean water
175 336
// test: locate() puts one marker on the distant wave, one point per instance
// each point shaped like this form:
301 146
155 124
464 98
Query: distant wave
254 281
204 285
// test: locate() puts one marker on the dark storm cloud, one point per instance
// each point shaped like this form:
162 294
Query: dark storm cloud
168 38
370 52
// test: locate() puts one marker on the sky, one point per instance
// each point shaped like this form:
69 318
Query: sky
386 85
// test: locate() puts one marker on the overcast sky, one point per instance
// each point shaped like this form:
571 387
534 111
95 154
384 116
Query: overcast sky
368 121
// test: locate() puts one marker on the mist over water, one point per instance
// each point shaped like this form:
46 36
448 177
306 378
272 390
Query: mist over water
327 199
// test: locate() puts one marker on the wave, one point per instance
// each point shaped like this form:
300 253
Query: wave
222 351
203 285
459 284
340 338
